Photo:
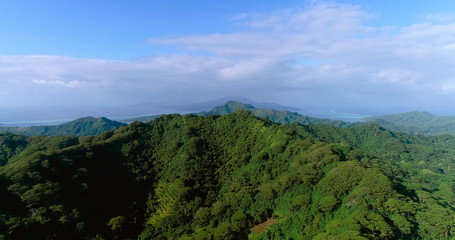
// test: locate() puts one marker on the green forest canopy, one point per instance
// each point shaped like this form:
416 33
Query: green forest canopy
216 177
93 126
80 128
416 123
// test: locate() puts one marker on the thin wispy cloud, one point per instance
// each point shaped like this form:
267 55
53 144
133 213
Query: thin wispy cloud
440 17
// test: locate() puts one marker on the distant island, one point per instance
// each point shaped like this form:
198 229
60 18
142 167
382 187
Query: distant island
415 123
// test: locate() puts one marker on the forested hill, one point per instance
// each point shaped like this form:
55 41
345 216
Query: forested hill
143 119
276 116
79 128
226 177
416 123
93 126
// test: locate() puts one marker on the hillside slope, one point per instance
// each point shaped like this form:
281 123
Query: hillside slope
276 116
416 123
80 127
217 177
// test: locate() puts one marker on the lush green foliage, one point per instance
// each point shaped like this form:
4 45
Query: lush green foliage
416 123
80 127
143 119
283 117
216 177
11 145
276 116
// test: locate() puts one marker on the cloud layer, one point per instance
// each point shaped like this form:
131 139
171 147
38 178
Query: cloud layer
324 54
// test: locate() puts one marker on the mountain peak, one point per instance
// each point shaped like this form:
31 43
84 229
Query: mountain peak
229 107
237 105
405 118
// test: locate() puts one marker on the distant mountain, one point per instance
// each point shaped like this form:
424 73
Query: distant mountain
415 123
204 106
94 126
228 107
79 128
276 116
143 119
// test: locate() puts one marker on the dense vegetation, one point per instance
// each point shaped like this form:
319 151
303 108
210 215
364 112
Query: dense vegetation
143 119
276 116
416 123
93 126
217 177
80 127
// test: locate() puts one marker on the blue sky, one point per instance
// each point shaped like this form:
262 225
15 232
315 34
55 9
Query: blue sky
355 56
114 29
119 30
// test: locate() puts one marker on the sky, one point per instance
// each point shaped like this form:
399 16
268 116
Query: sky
365 57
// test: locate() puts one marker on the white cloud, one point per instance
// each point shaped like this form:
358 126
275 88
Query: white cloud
321 50
395 76
355 57
243 70
71 84
440 17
